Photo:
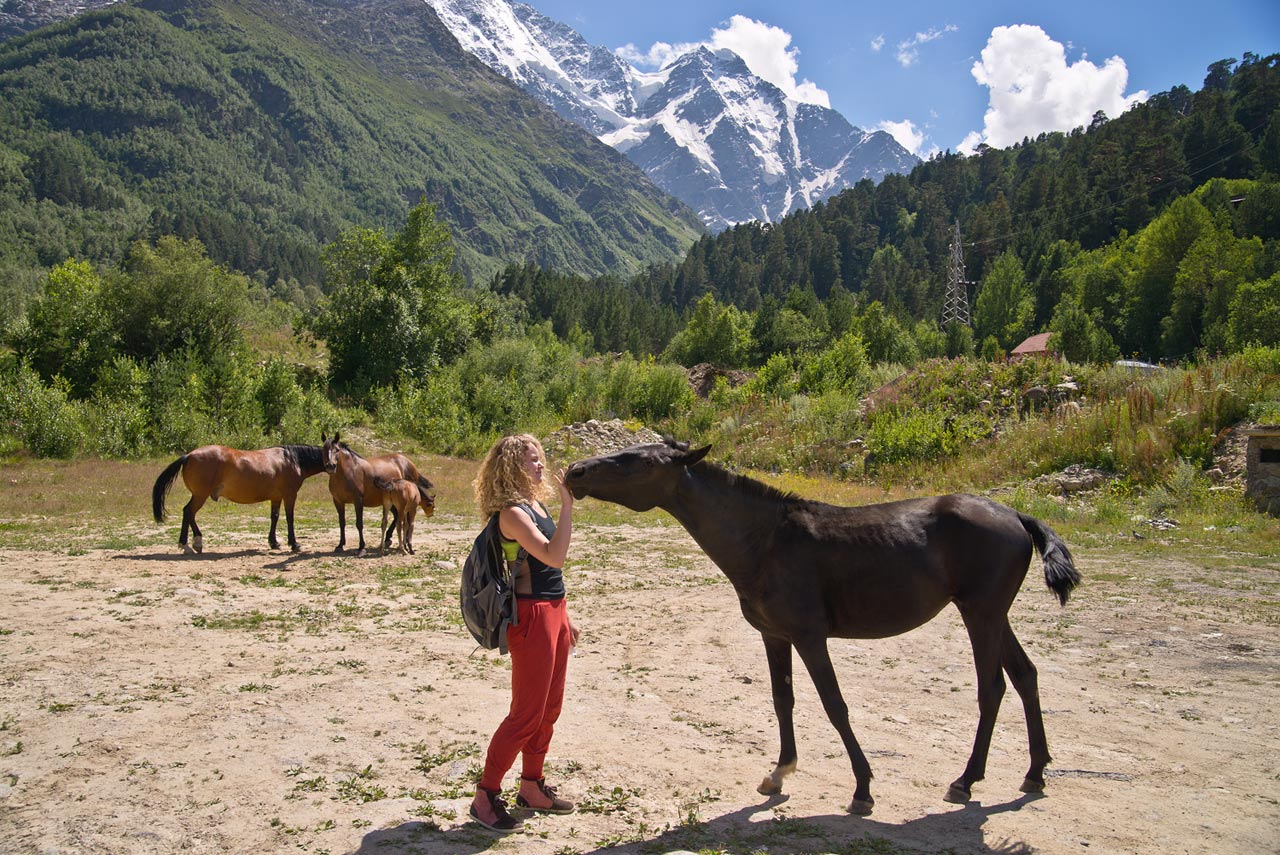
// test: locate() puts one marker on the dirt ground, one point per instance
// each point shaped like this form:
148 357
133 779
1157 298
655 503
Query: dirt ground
249 701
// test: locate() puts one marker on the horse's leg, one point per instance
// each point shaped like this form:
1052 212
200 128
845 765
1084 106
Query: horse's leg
383 541
986 635
1022 673
360 524
778 653
275 517
189 522
818 661
387 534
289 502
342 525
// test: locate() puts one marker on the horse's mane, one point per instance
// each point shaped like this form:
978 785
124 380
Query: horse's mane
304 455
346 447
742 483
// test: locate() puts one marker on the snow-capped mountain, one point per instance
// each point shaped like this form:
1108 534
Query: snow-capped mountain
729 144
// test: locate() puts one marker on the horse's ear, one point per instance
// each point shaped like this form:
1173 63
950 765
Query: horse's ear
692 457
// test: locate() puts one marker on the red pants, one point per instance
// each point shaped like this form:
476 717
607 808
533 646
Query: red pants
539 648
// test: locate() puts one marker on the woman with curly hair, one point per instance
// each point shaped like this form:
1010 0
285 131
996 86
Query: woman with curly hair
510 483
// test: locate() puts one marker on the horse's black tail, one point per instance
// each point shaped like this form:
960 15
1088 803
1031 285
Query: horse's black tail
163 483
1060 572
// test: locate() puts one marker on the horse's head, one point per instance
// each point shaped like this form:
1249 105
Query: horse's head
329 452
641 477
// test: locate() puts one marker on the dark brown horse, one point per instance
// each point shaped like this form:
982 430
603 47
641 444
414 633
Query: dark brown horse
806 571
351 482
217 472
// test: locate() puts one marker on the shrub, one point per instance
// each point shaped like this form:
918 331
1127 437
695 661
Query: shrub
117 415
41 417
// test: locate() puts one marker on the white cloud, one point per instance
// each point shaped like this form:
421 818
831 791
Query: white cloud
1034 90
909 49
909 137
766 49
905 132
877 43
658 54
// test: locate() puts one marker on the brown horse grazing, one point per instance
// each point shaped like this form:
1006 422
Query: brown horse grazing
216 472
806 571
351 482
401 497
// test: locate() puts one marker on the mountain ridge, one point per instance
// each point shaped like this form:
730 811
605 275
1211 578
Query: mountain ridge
268 126
704 127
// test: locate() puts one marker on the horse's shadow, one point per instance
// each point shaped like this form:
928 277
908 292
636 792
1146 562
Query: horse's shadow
961 828
184 556
286 561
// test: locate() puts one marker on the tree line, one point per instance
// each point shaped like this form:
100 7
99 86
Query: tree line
1131 236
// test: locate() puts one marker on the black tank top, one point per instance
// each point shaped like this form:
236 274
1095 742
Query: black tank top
547 582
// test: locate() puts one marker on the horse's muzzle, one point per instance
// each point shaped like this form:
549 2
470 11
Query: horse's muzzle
573 480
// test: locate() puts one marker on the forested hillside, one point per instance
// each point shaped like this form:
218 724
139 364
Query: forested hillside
1120 230
266 127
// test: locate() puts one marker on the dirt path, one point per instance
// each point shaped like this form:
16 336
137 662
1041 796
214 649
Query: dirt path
254 702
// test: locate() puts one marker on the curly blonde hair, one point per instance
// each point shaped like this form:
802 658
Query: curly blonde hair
503 480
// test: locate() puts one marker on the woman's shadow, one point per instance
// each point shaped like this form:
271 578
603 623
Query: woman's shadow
736 832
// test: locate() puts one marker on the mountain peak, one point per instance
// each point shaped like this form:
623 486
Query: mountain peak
705 128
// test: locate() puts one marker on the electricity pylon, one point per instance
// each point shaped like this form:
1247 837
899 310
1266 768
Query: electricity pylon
956 307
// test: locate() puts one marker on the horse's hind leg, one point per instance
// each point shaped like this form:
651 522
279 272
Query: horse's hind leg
986 636
818 661
189 522
384 542
778 652
360 525
1022 673
275 518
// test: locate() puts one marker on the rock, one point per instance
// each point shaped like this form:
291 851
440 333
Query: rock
594 437
702 377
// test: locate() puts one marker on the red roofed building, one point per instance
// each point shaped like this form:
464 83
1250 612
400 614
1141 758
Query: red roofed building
1033 346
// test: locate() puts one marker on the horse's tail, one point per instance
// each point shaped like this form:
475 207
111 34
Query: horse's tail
1060 572
163 483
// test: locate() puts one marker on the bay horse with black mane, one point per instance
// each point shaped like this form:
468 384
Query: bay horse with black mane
351 481
247 477
806 571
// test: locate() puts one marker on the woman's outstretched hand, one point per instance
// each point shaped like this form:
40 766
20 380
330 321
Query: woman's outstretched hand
566 497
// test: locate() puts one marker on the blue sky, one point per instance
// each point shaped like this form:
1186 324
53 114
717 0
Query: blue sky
909 67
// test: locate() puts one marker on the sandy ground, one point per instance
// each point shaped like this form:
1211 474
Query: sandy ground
247 701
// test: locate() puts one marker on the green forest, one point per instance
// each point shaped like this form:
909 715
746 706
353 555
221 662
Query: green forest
1153 235
264 128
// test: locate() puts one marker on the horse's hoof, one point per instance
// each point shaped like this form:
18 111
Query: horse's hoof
957 795
274 544
187 550
1030 785
861 807
295 548
199 544
769 787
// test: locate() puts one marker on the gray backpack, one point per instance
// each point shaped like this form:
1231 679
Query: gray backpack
488 594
